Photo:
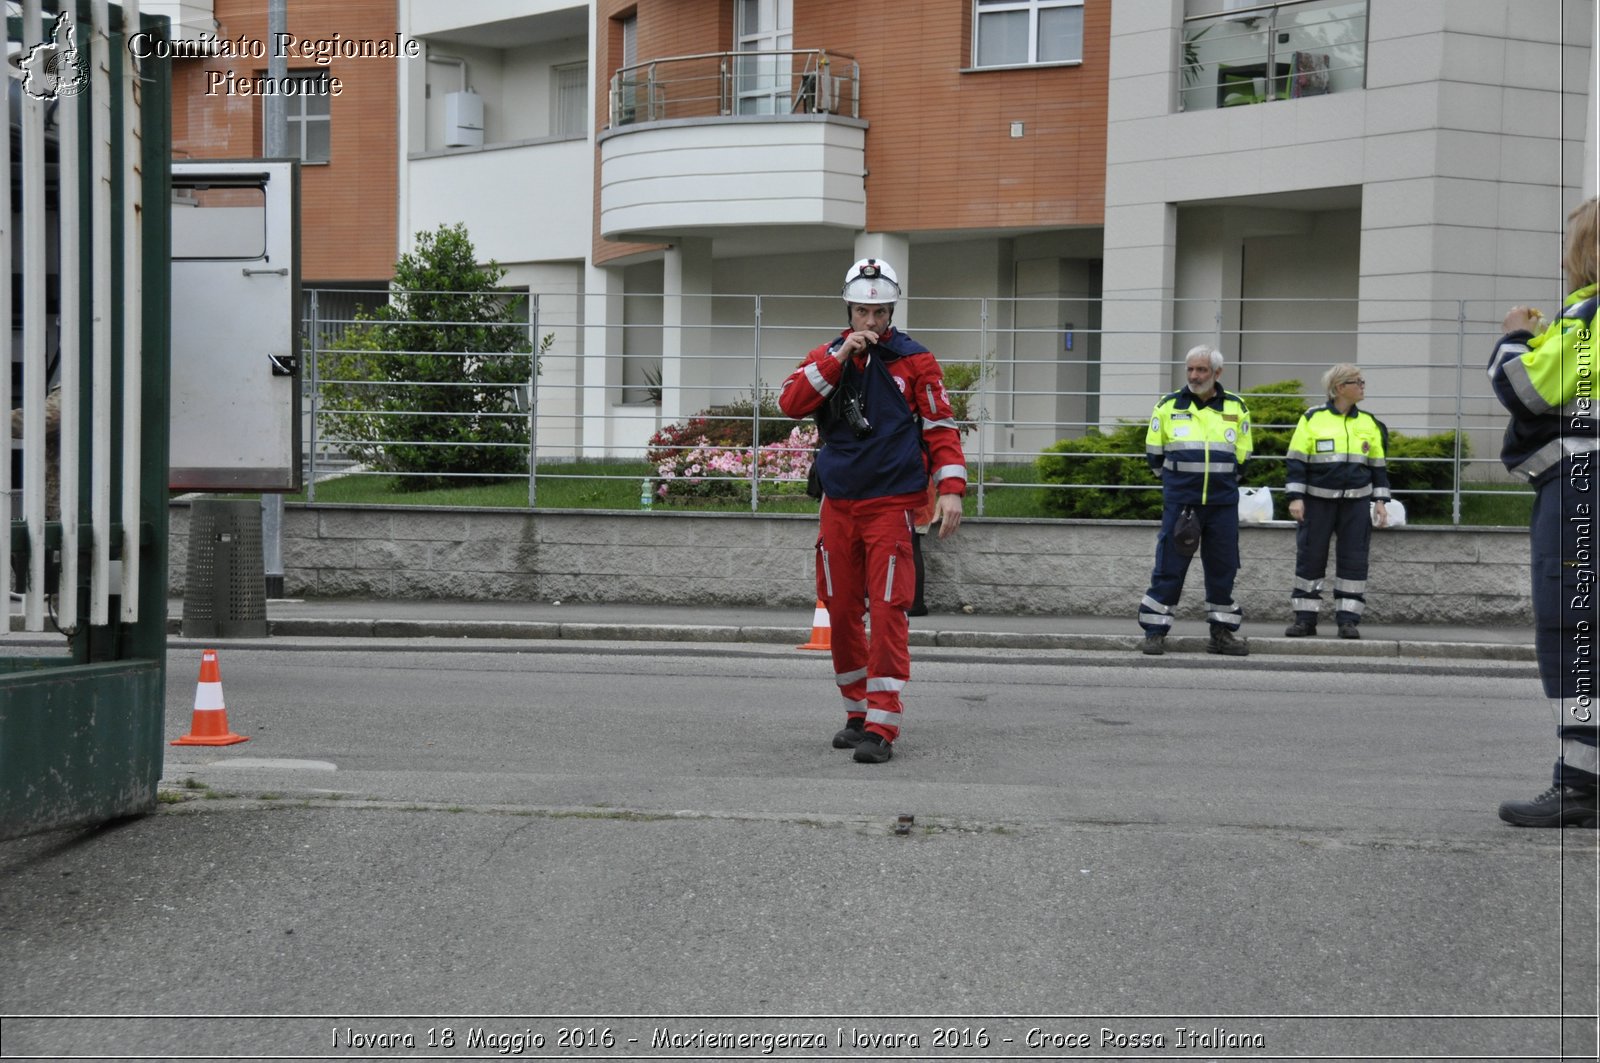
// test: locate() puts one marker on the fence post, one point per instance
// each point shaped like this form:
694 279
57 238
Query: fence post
1461 350
533 401
311 400
983 372
755 414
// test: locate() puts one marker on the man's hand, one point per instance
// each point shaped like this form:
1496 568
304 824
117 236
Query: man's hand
855 343
948 511
1381 512
1297 510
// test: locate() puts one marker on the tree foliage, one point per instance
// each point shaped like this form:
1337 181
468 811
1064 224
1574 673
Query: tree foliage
435 382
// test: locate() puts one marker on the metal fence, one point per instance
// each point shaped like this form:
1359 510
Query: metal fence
608 394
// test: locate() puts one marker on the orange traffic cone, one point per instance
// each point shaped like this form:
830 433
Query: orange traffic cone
209 725
821 630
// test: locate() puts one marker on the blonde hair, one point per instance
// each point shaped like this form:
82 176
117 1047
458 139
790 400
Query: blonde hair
1583 245
1337 377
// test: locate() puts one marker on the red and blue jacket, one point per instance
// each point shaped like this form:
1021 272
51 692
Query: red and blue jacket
900 388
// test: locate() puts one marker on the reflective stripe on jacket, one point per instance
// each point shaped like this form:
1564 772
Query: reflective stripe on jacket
1198 448
1547 384
1334 455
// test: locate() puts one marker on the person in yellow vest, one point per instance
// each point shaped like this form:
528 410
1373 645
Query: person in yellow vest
1198 442
1338 484
1544 373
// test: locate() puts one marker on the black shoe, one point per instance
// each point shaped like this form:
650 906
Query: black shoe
1228 644
850 735
874 749
1300 629
1154 645
1349 631
1558 806
917 609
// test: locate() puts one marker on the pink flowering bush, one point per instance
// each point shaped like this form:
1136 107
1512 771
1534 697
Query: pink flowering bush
700 468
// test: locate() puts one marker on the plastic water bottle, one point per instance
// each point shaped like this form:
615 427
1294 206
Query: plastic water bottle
646 496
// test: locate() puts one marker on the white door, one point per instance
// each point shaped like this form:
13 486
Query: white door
235 326
761 80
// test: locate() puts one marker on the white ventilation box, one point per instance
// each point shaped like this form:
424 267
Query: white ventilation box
463 120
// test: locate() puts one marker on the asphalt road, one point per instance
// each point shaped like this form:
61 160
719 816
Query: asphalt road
655 846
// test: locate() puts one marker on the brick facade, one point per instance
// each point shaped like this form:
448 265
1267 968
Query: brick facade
348 206
940 154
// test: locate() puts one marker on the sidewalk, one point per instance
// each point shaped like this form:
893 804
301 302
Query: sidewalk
395 618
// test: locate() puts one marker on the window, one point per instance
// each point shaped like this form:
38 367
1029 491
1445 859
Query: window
627 102
570 101
305 103
765 29
1020 32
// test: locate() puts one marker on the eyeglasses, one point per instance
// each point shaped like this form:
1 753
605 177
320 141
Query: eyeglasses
1357 382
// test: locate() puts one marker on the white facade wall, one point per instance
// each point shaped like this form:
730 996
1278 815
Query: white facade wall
1454 167
526 197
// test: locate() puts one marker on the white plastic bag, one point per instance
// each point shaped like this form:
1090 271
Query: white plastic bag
1396 510
1255 505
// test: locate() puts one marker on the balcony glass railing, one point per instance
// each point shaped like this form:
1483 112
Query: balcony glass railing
722 84
1281 51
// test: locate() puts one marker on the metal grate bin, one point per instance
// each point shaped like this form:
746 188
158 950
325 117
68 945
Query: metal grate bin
225 592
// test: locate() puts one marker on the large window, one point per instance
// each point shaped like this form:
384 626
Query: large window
306 106
764 28
1021 32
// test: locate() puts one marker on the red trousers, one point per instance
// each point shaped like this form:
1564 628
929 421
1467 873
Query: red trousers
865 565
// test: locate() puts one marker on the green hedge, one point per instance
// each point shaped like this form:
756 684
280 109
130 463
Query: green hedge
1133 492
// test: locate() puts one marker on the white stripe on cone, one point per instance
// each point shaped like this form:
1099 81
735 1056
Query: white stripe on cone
208 696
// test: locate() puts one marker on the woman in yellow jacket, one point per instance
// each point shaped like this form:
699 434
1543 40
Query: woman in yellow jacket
1338 485
1544 374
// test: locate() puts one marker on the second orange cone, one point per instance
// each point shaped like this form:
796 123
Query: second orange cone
209 724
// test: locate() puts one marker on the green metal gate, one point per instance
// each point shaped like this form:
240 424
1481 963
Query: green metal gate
81 731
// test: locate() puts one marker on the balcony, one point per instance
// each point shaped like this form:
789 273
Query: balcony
701 145
720 84
1273 51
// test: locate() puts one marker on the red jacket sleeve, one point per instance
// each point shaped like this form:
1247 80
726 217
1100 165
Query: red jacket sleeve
939 431
810 385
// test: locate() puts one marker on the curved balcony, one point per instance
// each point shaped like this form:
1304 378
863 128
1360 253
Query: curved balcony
699 145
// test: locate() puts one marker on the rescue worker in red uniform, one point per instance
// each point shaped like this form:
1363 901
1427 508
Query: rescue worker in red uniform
885 427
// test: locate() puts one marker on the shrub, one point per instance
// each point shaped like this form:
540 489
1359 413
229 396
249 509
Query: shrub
1424 463
961 380
1116 459
430 384
1275 409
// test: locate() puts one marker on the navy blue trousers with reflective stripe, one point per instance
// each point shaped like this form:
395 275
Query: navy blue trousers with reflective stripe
1219 557
1564 597
1348 519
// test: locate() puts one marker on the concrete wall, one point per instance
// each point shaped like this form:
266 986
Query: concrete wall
1419 574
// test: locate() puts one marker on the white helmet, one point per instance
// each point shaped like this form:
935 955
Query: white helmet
871 282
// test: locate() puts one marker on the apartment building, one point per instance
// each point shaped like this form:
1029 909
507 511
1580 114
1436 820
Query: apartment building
1074 191
728 161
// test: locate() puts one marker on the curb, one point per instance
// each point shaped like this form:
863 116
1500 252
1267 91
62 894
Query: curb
314 627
